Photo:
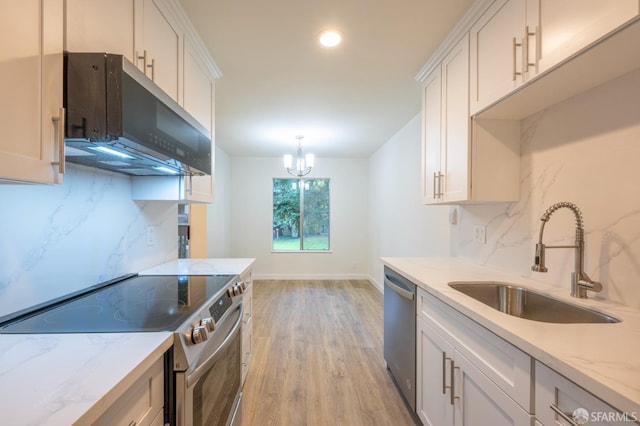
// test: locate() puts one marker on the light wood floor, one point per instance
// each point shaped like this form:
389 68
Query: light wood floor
318 357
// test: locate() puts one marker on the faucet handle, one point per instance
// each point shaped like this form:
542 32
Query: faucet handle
539 261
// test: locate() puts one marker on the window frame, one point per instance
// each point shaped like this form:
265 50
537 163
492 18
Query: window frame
301 222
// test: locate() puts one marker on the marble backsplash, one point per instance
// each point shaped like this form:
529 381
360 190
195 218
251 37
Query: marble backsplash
57 239
585 150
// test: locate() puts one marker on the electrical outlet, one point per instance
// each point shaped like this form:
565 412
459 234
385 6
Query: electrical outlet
151 235
480 234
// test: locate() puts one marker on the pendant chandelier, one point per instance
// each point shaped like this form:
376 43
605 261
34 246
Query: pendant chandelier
304 163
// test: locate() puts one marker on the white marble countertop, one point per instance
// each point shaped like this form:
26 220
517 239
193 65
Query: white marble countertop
208 266
65 379
602 358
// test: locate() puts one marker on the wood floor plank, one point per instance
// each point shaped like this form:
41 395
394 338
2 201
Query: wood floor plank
318 357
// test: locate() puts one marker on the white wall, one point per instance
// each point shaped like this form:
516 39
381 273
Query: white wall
399 225
585 150
219 212
57 239
251 219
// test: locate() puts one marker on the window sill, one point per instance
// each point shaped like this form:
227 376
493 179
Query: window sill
301 251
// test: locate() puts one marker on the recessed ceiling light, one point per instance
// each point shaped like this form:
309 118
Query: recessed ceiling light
330 38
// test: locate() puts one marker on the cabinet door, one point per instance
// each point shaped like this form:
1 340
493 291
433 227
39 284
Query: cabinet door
31 86
434 357
479 401
199 102
141 403
198 88
431 133
455 123
496 52
562 28
86 23
552 389
159 46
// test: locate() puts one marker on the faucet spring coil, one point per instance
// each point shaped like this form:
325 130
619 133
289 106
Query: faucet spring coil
565 204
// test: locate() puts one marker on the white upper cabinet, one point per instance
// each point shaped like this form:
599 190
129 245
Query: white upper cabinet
143 31
462 164
86 23
445 144
31 116
198 86
158 43
496 52
515 41
558 29
455 159
431 131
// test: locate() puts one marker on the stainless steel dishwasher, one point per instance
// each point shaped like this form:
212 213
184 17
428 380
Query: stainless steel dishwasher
400 333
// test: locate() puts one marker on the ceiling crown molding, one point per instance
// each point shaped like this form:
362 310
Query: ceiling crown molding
462 27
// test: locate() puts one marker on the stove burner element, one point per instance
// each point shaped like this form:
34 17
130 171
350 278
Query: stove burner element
143 311
72 314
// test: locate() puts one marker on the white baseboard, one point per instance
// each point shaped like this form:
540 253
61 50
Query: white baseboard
310 276
369 278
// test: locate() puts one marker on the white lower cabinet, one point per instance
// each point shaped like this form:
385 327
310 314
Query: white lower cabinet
433 369
466 375
556 394
479 401
142 404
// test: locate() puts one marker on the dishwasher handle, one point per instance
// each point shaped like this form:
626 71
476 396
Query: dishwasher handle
407 294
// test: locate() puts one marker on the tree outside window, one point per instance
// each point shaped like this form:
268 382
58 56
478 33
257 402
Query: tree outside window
300 215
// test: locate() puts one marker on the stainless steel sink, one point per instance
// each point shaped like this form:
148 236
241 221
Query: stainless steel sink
528 304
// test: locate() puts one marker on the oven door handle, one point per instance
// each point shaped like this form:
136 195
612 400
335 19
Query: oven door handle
204 366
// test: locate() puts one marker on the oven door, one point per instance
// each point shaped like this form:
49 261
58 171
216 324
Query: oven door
209 392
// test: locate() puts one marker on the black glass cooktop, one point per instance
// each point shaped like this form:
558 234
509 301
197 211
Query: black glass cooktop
140 303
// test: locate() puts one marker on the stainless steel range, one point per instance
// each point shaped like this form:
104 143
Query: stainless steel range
202 371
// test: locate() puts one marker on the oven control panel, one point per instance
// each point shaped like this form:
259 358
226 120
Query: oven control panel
200 331
221 305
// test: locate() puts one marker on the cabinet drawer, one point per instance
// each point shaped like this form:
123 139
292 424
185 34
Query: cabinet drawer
507 366
142 403
555 389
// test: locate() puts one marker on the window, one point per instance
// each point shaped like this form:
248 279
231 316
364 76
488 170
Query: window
300 214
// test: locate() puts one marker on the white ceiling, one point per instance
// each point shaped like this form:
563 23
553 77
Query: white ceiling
278 82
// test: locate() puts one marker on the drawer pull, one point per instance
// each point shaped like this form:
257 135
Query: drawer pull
566 416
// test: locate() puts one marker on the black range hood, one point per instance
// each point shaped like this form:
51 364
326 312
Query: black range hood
119 120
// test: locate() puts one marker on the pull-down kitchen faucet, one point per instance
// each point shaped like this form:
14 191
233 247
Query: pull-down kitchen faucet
580 281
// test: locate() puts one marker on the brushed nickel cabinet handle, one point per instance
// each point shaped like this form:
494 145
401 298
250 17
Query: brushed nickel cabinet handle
444 373
144 60
153 69
515 46
452 396
59 123
435 192
527 35
566 416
